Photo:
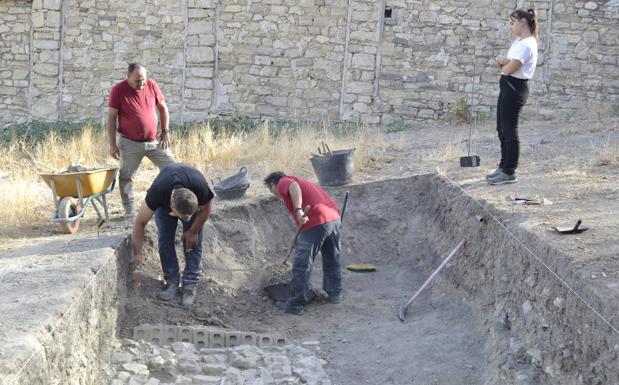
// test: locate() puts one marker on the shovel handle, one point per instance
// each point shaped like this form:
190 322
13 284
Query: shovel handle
296 235
404 309
577 225
344 206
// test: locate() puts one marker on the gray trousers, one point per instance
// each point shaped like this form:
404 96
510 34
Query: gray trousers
131 154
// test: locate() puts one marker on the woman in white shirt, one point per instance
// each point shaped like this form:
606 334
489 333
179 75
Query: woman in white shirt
516 70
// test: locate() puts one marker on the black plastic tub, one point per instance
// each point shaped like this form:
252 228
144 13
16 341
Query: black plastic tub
334 169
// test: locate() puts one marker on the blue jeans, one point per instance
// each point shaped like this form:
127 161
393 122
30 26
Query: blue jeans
326 239
166 226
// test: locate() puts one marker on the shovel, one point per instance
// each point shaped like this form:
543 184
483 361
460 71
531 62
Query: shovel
471 160
578 228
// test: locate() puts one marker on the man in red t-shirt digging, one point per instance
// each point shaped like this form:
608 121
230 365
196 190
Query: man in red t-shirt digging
320 232
132 111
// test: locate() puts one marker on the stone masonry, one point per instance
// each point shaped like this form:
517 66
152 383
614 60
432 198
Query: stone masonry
374 61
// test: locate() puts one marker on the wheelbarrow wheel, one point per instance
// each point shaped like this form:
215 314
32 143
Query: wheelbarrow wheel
67 208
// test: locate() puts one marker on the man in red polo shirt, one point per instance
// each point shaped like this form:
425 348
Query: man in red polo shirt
132 112
320 232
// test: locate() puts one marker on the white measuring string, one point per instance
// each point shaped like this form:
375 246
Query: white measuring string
45 337
567 286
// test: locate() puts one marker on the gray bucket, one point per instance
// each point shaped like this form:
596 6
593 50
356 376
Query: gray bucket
334 169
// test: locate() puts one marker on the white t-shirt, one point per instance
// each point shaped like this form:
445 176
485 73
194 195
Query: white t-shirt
525 51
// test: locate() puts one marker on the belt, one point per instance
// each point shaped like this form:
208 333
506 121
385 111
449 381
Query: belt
140 141
515 78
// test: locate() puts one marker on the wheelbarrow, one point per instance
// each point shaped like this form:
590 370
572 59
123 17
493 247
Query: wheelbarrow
73 191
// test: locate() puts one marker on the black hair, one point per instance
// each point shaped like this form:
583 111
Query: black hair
530 16
273 178
134 66
185 201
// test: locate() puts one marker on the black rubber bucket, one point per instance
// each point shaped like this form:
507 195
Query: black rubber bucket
333 169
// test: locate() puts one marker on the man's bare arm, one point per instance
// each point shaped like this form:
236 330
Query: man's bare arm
112 115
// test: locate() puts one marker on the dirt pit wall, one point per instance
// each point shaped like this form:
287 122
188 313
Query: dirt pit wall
556 337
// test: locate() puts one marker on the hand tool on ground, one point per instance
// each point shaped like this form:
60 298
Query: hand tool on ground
361 267
296 235
404 309
521 201
577 228
471 160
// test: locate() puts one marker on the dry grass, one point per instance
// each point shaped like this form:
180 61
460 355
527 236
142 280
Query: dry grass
285 151
608 154
26 202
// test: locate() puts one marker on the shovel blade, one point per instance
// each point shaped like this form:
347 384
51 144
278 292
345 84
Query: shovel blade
469 161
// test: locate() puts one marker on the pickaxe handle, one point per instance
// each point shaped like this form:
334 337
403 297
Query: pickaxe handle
296 235
404 309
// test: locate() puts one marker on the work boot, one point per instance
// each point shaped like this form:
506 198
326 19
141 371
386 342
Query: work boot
493 173
502 178
169 293
297 310
334 299
188 296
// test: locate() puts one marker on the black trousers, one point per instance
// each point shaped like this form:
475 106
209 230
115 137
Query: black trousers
513 96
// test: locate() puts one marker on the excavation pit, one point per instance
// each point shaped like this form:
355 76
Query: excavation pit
453 334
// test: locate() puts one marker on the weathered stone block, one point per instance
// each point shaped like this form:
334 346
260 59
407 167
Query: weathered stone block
46 44
200 55
363 61
199 83
206 380
200 72
279 10
232 8
268 71
199 26
364 36
38 19
280 101
46 69
55 5
360 88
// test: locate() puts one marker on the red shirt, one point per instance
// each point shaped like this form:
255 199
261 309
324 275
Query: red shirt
322 208
137 116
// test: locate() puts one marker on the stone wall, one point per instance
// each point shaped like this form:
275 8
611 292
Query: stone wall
15 19
376 61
